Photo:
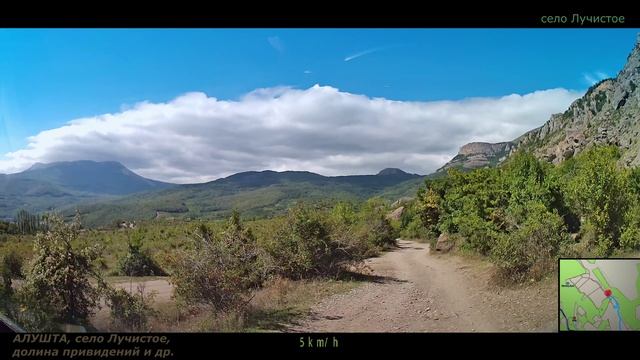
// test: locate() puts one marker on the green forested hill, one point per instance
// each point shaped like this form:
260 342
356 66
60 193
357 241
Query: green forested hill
255 194
47 187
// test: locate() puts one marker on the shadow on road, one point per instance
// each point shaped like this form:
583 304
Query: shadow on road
378 279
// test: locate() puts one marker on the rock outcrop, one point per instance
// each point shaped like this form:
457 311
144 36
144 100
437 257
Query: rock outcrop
444 243
396 214
479 154
608 113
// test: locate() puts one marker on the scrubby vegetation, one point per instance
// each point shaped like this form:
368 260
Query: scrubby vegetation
522 216
220 267
131 311
527 213
61 283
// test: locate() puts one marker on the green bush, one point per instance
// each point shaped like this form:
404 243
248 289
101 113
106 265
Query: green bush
375 228
62 285
302 246
378 231
220 268
479 235
428 208
598 189
131 311
12 264
414 229
138 262
531 249
8 228
344 212
11 269
308 243
630 237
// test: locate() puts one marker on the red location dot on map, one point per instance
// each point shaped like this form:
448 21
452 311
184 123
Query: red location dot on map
607 292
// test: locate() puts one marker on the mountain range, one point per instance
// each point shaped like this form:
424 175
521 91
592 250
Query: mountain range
46 187
105 192
608 113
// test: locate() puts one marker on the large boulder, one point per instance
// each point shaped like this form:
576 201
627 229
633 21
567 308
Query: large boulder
396 214
444 243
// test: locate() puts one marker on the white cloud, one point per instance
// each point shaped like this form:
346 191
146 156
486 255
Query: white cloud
276 43
363 53
196 138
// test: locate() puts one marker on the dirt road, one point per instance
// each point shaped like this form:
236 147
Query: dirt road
161 288
413 290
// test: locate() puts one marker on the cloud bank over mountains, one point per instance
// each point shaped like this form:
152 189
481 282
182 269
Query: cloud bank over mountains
196 138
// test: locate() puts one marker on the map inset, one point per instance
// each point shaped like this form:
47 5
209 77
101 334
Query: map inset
599 294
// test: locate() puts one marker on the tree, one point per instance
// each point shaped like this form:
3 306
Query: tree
525 178
598 190
428 208
59 282
27 223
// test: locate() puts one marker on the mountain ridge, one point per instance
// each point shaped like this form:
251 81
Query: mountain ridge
608 113
48 187
89 185
254 193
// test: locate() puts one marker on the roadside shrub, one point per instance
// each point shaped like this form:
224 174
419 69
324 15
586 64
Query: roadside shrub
138 262
379 231
304 245
598 190
351 241
220 268
479 235
428 209
12 267
414 229
531 250
375 227
131 311
63 285
630 237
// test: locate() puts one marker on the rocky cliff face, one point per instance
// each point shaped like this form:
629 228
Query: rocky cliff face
608 113
478 154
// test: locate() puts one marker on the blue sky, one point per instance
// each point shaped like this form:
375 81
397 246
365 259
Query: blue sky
49 77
